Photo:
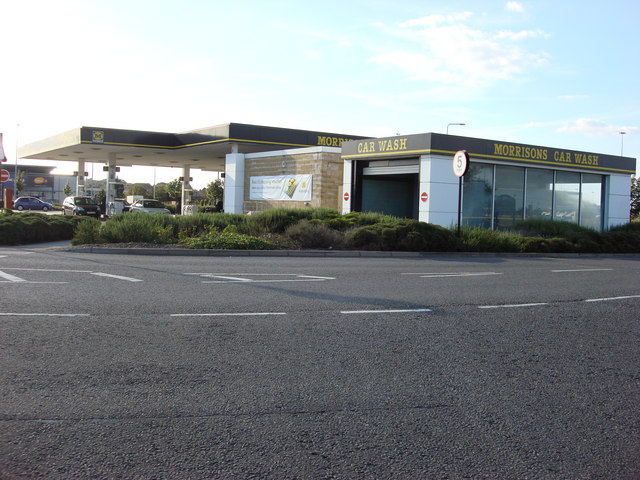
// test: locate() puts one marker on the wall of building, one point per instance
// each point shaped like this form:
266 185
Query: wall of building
323 163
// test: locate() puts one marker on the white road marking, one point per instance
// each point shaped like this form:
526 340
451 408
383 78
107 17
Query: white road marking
584 270
453 274
245 314
6 314
246 277
388 311
612 298
11 278
514 305
119 277
48 270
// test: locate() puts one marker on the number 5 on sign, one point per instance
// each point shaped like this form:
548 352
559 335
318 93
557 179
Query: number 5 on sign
460 163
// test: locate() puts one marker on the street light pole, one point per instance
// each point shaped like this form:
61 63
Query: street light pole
622 134
448 125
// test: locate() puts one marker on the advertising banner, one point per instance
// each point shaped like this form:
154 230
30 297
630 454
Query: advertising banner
281 187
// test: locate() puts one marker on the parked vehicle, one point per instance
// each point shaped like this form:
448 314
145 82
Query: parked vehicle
81 206
31 203
146 205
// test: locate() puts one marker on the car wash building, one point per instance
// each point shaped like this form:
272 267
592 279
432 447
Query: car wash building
406 176
412 176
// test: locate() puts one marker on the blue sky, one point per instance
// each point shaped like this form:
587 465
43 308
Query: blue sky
557 73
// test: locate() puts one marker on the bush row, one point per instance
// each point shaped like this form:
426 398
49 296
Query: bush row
326 229
27 227
315 229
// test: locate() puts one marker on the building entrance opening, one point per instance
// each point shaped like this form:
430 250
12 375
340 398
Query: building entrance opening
395 195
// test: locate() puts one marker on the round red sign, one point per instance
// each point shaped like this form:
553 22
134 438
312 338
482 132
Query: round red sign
424 197
346 196
4 175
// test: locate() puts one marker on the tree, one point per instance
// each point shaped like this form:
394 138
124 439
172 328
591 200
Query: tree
635 198
139 189
67 190
19 182
214 192
174 189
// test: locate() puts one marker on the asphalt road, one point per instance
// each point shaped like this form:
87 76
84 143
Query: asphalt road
116 366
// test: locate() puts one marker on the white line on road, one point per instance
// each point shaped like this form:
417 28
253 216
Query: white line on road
453 274
119 277
514 305
48 270
612 298
6 314
388 311
245 314
584 270
11 278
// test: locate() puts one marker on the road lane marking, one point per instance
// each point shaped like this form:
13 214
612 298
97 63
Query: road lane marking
118 277
248 277
517 305
453 274
245 314
11 278
47 270
8 314
584 270
412 310
625 297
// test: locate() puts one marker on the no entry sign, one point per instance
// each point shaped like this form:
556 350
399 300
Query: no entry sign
346 196
424 197
4 175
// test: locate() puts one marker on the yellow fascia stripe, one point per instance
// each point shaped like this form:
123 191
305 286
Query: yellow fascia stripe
490 157
89 142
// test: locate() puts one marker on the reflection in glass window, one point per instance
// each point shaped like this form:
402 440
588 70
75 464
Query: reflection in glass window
509 196
567 198
591 202
539 193
478 196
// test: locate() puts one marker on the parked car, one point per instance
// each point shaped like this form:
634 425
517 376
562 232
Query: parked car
81 206
31 203
146 205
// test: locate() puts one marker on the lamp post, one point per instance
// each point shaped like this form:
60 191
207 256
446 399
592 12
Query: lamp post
622 134
449 124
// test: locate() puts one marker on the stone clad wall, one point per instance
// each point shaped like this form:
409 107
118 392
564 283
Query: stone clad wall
325 164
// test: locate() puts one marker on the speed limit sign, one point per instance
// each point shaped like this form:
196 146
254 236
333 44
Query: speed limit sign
460 163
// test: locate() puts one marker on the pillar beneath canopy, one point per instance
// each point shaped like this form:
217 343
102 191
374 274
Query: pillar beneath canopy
111 184
80 178
234 183
186 207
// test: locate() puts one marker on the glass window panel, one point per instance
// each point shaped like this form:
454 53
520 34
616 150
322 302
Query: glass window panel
539 193
478 195
591 202
567 197
509 198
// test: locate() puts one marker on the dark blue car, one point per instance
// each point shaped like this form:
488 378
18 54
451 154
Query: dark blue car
31 203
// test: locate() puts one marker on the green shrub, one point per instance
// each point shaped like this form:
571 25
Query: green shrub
403 235
314 234
29 227
87 232
481 240
228 239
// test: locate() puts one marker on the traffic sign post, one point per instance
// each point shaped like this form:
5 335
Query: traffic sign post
4 176
460 168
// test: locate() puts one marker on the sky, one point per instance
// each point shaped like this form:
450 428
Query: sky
555 73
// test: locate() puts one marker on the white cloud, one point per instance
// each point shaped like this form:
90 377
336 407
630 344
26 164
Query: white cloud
572 97
344 44
447 49
515 7
521 35
595 128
